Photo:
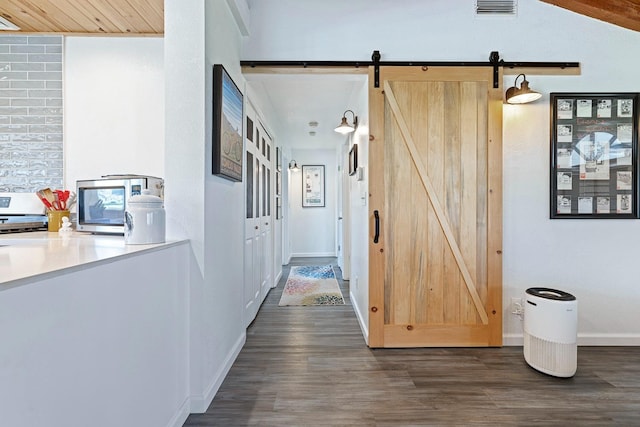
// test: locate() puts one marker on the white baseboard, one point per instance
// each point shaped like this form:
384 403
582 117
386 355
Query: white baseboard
614 340
512 340
609 340
181 416
199 404
312 254
363 326
277 279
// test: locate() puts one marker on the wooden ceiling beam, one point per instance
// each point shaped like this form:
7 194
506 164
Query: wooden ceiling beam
624 13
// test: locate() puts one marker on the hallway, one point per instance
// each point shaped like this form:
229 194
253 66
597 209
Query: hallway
308 366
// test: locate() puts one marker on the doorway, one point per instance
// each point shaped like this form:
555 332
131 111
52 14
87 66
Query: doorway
302 109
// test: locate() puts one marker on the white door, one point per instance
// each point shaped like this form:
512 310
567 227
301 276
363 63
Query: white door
253 239
265 157
259 187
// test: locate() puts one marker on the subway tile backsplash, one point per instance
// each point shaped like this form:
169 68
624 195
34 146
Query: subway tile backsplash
31 113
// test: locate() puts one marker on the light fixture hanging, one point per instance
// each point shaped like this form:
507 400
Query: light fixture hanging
345 127
523 94
293 165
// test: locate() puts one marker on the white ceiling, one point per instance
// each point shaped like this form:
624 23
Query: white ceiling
297 99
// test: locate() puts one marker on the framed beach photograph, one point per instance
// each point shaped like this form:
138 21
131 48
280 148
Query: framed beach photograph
313 186
594 147
227 152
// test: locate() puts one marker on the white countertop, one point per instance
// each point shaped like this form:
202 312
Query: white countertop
25 257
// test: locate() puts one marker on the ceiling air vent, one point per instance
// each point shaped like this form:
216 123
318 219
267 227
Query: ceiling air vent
496 7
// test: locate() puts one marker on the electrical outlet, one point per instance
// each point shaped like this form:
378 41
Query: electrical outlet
517 306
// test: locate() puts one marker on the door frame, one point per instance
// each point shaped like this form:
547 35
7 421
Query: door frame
344 212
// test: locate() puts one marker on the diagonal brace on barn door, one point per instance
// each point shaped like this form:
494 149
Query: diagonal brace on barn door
437 207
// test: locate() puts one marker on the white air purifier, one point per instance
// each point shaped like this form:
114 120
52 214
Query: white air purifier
550 331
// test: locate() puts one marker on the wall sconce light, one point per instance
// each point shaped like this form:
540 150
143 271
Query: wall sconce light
345 127
522 95
293 165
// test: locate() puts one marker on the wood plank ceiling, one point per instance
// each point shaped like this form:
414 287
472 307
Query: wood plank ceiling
146 17
113 17
624 13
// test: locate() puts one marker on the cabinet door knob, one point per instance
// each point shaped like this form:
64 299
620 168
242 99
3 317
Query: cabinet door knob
256 227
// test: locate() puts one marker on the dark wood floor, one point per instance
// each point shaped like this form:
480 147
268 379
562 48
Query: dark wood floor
309 366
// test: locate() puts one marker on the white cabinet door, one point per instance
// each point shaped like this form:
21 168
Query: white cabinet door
266 156
252 244
258 255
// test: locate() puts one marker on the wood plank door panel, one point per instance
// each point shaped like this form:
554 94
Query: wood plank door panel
436 161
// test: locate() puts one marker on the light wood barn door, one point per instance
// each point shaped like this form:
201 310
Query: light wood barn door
435 184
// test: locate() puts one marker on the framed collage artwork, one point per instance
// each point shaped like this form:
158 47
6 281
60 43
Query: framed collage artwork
594 151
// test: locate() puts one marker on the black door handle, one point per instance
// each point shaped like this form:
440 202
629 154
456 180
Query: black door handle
377 233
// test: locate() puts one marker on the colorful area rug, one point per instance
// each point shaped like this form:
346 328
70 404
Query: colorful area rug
311 285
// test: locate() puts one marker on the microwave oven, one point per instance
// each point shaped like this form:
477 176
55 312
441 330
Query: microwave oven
102 202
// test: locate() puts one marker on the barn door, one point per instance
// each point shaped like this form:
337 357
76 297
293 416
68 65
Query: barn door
436 202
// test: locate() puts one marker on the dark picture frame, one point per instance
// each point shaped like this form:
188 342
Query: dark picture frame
227 138
313 186
594 150
353 160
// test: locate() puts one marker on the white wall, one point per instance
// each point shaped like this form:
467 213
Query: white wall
224 213
599 267
359 208
113 107
313 229
184 165
204 208
287 175
207 209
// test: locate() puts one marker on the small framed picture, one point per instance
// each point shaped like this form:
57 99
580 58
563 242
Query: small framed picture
313 186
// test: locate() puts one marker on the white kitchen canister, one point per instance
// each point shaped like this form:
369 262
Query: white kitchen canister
144 220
